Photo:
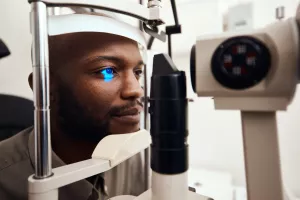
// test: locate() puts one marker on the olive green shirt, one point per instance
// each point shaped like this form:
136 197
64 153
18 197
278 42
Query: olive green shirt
17 164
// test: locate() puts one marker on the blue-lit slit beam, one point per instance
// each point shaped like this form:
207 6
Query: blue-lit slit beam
108 74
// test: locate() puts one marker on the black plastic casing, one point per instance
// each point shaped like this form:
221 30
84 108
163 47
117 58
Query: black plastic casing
193 67
4 51
169 122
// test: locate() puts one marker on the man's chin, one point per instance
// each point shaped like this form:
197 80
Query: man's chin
117 128
124 124
125 132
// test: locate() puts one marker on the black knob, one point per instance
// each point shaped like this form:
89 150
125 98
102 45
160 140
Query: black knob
240 62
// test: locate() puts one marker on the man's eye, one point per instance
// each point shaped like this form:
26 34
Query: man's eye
139 72
108 73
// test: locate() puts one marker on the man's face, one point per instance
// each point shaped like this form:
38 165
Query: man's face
95 85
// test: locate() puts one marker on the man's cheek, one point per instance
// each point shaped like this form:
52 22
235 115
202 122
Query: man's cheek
99 112
99 94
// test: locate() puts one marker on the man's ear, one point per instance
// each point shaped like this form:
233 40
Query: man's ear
30 81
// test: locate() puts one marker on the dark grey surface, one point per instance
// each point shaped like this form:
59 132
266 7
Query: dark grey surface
16 114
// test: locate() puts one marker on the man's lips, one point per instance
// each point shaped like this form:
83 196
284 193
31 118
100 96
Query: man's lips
131 115
131 111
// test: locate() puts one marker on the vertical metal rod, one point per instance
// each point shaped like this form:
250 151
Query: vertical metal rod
170 45
173 3
41 90
146 124
140 22
150 42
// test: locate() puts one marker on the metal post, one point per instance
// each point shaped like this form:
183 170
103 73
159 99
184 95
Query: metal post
146 127
151 4
41 90
141 22
146 118
170 45
262 159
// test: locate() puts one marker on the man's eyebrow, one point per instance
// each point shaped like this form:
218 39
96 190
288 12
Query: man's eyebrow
112 59
140 63
104 58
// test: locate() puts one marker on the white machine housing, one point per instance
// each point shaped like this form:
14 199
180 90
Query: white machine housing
275 91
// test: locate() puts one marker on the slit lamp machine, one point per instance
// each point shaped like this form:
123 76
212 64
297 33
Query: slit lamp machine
255 72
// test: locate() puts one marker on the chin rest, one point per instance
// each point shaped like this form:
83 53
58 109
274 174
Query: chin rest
120 147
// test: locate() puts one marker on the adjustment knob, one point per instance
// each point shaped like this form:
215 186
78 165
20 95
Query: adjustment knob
240 62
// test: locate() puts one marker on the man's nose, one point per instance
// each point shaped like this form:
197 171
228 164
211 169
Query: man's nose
131 88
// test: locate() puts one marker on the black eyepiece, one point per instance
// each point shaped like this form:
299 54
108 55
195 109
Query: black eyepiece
193 67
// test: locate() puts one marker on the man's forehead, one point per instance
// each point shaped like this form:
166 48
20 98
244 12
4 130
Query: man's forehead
92 37
78 43
82 46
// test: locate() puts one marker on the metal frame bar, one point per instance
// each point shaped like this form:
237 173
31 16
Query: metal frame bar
39 30
146 127
146 119
131 9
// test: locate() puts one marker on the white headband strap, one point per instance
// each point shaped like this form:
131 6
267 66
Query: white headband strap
73 23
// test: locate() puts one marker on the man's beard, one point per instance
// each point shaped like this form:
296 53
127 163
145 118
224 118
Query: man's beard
78 122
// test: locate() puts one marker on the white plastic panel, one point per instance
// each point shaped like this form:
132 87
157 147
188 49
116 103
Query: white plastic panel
118 148
63 24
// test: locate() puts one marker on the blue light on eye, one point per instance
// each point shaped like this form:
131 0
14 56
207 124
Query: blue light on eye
108 74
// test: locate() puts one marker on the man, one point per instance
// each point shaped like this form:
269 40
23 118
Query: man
94 92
